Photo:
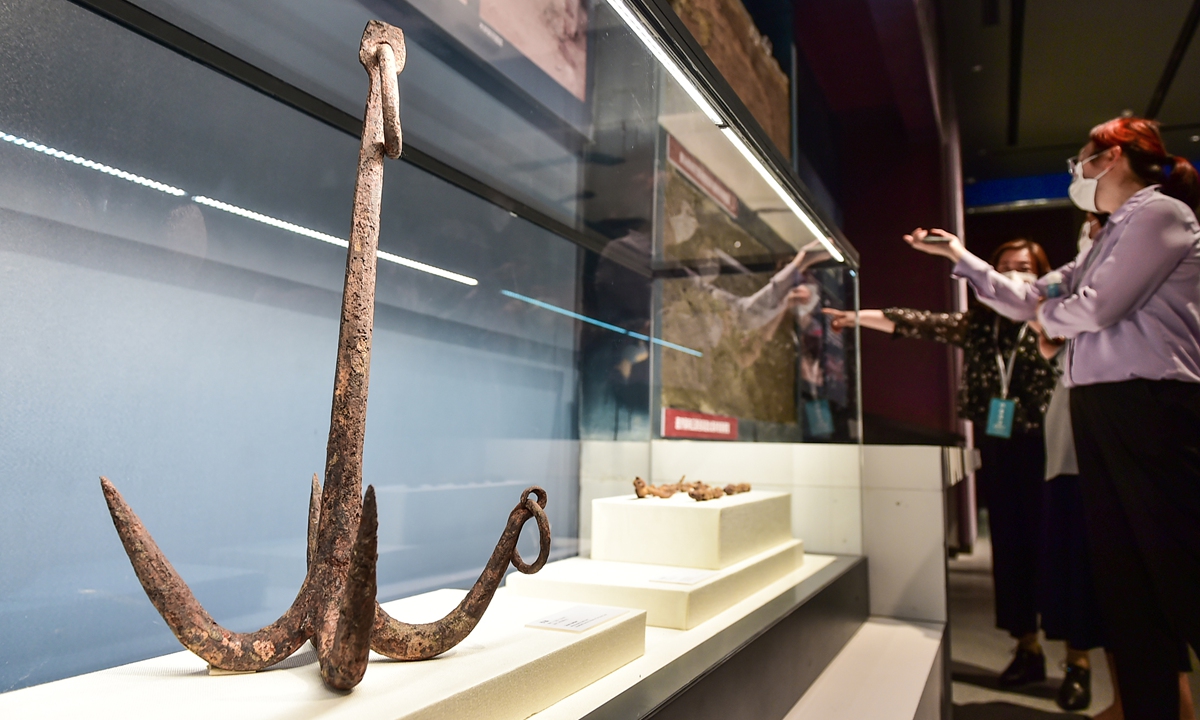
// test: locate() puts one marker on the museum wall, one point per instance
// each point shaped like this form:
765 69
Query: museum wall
892 178
897 188
1055 229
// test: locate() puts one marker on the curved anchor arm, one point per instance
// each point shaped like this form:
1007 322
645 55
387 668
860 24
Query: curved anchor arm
402 641
190 622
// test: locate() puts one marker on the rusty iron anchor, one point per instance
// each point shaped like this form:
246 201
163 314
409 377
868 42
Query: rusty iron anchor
336 607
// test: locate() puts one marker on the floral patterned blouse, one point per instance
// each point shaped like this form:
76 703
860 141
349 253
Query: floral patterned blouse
975 331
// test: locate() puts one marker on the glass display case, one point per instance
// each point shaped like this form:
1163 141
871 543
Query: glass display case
588 243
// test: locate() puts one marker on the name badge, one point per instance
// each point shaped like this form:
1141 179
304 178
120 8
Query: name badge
820 418
1000 418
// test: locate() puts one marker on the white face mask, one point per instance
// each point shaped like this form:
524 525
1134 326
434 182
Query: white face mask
1083 190
684 224
813 301
1021 277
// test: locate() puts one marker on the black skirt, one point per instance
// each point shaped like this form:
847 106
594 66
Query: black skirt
1066 589
1138 444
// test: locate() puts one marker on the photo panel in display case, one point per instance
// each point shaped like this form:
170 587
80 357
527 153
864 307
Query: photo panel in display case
746 352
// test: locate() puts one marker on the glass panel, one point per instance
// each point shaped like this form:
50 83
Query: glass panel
468 96
187 352
740 309
559 104
170 273
756 347
519 98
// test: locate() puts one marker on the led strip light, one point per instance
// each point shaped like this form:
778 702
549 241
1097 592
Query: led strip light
226 207
323 237
106 169
656 49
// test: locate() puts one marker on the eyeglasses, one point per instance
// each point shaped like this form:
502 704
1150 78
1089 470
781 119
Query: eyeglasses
1075 162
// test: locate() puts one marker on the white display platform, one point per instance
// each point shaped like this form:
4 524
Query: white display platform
502 671
649 587
682 532
664 646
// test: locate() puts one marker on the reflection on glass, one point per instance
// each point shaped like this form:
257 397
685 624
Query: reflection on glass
171 262
552 34
171 257
768 358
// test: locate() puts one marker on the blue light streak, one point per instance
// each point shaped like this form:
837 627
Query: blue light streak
598 323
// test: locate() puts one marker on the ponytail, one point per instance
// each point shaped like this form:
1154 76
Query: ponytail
1182 182
1142 143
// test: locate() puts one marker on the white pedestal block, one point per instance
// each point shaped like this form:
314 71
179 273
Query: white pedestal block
682 532
667 604
502 671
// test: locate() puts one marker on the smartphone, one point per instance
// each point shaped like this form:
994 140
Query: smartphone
935 240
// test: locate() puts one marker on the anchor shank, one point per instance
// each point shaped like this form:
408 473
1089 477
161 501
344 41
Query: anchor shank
348 417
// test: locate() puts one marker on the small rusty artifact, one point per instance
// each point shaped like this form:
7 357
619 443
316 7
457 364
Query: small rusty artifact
643 489
336 606
696 490
706 492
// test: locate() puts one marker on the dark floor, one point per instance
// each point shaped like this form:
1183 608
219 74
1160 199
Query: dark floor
980 651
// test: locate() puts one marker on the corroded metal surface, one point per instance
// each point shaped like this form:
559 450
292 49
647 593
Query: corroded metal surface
643 489
706 492
356 612
403 641
696 490
194 627
336 606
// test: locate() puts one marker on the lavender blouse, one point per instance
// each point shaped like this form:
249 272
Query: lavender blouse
1130 306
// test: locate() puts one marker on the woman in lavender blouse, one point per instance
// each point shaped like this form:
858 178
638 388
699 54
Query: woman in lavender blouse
1129 309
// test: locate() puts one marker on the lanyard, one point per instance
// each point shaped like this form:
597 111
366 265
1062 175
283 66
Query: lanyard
1006 371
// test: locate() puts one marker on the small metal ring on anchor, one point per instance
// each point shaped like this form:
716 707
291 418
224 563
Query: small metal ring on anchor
535 510
389 99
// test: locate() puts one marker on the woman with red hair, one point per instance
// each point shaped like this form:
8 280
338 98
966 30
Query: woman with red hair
1129 309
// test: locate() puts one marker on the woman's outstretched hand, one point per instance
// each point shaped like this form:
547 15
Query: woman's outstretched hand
873 319
840 319
936 242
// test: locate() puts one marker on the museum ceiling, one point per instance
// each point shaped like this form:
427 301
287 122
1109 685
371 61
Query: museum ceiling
1030 78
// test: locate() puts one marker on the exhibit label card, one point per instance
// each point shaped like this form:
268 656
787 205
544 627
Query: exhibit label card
578 618
683 577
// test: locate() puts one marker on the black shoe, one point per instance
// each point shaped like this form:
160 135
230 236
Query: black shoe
1027 667
1075 693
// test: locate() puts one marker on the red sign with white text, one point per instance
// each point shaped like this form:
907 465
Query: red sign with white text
701 176
699 426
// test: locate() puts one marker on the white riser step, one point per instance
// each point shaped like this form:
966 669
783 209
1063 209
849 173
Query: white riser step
890 670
